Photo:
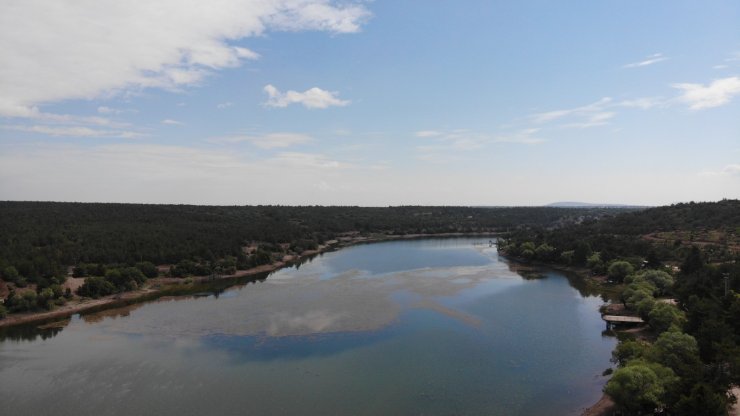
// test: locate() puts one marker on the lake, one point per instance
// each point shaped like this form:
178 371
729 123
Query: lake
434 326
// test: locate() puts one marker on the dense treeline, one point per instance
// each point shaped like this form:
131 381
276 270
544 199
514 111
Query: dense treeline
627 236
41 239
691 355
694 358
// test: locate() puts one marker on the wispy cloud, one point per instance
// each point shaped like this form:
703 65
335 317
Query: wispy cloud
75 131
649 60
428 133
108 110
589 115
171 122
307 160
314 98
222 106
600 118
717 93
734 57
266 141
643 103
729 170
450 146
114 111
458 139
525 136
51 118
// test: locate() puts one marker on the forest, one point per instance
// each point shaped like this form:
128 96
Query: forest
677 268
674 266
116 247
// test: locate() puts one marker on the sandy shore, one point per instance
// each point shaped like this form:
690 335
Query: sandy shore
604 407
157 286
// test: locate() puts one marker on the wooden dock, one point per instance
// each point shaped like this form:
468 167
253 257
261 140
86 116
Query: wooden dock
618 319
623 319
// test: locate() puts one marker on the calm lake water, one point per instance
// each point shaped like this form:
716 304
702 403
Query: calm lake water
438 326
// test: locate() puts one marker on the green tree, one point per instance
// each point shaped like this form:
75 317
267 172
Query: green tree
702 400
640 387
527 250
618 270
645 306
679 352
95 287
148 269
660 279
664 315
630 350
581 252
45 298
594 263
26 301
545 252
10 274
694 261
567 257
637 292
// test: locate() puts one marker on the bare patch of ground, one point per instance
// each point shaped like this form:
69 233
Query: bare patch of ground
73 283
604 407
735 409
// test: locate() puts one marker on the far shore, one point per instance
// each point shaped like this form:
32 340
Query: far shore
158 286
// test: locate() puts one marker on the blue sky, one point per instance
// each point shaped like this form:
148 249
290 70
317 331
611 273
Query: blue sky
370 103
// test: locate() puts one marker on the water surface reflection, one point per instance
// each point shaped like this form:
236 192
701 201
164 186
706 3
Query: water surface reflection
348 333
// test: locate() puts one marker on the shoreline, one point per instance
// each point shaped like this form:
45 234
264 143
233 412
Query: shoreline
605 406
160 286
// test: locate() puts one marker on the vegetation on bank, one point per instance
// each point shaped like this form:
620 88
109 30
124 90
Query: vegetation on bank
687 291
117 247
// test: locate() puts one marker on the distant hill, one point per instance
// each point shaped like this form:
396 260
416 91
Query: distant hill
572 204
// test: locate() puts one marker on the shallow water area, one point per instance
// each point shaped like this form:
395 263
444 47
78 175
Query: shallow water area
434 326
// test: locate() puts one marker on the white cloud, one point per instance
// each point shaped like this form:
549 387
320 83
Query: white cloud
323 186
37 115
114 111
306 160
70 49
451 146
267 141
108 110
171 122
649 60
719 92
732 170
592 120
589 115
525 136
734 57
643 103
222 106
311 98
428 133
76 131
